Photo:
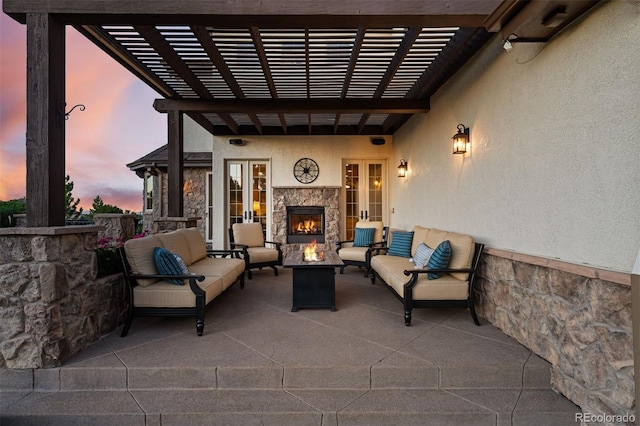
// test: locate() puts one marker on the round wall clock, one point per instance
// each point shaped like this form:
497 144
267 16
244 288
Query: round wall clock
306 170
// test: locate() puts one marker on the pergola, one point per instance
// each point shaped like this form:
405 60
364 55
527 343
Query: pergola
290 67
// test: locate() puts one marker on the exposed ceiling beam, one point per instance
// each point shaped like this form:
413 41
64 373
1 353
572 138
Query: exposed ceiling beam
298 106
164 49
266 70
409 38
214 54
353 60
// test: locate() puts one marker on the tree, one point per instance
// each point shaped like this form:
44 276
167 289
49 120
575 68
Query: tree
71 209
100 207
10 208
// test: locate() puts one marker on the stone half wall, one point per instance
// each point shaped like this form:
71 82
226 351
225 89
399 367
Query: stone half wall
329 197
51 303
576 317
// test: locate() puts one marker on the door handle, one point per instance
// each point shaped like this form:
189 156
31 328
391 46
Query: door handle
245 215
366 214
250 215
361 216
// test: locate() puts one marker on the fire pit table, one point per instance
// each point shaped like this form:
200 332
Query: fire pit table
314 282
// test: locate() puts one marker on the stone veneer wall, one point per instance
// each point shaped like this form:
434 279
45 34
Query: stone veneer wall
329 197
576 317
116 225
194 199
51 304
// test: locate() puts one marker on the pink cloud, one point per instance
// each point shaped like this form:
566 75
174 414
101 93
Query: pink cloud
118 125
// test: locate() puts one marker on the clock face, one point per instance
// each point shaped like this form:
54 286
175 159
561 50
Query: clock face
306 170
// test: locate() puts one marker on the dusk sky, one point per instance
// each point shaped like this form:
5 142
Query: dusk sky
118 126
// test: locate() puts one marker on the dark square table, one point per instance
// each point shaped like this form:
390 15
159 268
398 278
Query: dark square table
314 283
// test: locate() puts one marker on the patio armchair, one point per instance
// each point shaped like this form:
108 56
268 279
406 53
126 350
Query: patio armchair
249 238
366 243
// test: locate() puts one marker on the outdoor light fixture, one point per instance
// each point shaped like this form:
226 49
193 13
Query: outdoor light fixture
237 142
461 140
402 169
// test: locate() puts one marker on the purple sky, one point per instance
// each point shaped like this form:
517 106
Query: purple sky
118 126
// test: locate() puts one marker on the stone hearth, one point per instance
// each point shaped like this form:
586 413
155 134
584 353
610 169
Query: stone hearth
329 197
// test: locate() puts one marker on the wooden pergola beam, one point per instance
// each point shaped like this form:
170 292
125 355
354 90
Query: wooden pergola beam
298 13
297 106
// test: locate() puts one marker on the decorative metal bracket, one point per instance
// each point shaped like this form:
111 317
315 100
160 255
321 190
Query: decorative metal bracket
80 106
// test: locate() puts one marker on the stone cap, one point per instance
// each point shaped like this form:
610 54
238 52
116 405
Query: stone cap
52 230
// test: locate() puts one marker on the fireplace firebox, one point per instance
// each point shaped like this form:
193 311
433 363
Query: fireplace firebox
305 224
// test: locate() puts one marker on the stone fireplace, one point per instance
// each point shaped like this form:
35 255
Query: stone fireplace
309 202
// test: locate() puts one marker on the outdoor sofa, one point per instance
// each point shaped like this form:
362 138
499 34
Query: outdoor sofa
208 273
449 284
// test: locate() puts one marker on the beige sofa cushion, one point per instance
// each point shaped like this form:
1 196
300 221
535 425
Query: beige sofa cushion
165 295
139 253
262 254
391 270
357 254
197 245
229 269
249 234
176 242
462 247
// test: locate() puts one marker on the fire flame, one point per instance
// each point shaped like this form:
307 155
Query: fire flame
310 254
306 226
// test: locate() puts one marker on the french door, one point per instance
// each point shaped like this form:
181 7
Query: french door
364 193
248 191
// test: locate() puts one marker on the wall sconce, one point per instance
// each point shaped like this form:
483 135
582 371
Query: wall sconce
402 169
461 140
187 187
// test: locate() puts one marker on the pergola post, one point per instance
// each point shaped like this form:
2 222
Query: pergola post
175 174
45 120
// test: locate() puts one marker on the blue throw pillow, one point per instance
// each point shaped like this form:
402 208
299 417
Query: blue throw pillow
364 237
439 259
401 244
166 264
422 256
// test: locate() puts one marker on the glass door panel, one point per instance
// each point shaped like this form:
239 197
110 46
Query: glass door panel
352 198
248 192
364 193
236 193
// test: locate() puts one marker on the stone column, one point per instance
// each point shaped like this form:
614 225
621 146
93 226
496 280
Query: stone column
116 225
51 304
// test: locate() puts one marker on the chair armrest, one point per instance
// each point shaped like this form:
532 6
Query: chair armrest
408 272
193 286
238 245
275 243
416 272
224 253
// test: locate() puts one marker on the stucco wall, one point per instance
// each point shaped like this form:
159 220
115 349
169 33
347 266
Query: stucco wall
283 152
554 164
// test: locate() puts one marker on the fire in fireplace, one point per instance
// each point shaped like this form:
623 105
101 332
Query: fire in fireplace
305 224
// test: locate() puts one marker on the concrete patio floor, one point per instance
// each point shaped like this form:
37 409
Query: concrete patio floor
259 363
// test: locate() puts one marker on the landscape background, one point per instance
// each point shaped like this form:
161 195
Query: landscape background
118 126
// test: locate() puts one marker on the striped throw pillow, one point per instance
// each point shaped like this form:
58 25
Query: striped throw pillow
166 264
422 256
439 259
363 237
401 244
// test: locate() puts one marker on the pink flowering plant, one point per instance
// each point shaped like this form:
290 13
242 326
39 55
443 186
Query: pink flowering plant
108 258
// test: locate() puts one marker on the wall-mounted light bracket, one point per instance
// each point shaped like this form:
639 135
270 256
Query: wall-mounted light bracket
461 140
